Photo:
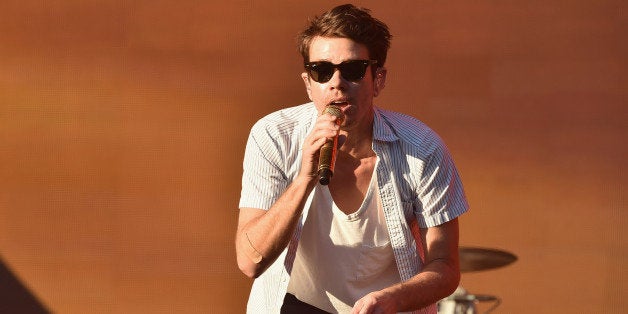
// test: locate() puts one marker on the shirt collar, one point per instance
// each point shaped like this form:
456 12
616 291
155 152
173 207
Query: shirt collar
381 129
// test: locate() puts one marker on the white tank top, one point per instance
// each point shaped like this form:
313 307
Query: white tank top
341 258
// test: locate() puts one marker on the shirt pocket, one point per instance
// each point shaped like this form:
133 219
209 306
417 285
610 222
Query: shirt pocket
373 261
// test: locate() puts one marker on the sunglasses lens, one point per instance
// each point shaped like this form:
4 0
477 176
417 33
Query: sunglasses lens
322 72
353 70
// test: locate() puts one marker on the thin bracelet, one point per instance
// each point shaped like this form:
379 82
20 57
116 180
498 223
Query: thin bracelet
258 257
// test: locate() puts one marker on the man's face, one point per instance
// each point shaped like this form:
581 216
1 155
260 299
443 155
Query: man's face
354 98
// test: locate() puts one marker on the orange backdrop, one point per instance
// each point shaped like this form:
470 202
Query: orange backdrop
123 124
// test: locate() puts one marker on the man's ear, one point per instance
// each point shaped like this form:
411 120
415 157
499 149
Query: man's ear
380 81
308 87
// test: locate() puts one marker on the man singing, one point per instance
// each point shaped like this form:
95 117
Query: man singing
382 236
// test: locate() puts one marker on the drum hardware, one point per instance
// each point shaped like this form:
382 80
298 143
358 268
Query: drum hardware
475 259
457 303
478 259
476 298
460 302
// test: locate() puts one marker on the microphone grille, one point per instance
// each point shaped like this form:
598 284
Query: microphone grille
334 111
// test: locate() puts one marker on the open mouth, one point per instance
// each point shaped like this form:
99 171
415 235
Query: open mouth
342 104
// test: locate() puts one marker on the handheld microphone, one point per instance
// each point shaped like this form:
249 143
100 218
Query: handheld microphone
327 158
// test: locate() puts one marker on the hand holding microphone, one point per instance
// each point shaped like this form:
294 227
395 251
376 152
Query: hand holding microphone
327 158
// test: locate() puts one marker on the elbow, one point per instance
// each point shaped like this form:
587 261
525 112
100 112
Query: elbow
449 277
249 263
248 268
249 272
454 280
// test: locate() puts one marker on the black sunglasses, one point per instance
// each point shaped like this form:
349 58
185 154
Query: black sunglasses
352 70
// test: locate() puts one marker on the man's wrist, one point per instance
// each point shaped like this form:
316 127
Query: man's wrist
396 294
307 180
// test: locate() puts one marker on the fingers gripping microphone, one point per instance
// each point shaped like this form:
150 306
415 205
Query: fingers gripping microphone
327 158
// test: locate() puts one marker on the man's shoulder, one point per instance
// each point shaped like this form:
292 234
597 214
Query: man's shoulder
396 117
286 121
407 128
287 118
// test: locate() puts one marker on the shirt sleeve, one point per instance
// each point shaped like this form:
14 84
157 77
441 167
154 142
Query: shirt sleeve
263 180
441 194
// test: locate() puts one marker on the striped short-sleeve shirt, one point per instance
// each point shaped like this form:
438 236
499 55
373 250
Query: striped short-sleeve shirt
419 187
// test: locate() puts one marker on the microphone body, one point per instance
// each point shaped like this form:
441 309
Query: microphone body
327 158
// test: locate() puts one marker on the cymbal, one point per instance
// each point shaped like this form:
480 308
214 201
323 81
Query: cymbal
477 259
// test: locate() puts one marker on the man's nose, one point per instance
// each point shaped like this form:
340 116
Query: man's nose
337 81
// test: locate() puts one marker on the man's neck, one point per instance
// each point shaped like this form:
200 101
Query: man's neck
358 144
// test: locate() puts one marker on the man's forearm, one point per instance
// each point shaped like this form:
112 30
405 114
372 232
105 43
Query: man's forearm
261 240
440 274
437 280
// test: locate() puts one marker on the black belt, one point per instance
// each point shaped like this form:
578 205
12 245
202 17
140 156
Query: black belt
292 305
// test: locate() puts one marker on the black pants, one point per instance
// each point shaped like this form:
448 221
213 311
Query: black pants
292 305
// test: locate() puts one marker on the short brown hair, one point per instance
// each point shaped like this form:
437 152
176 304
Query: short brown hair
348 21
